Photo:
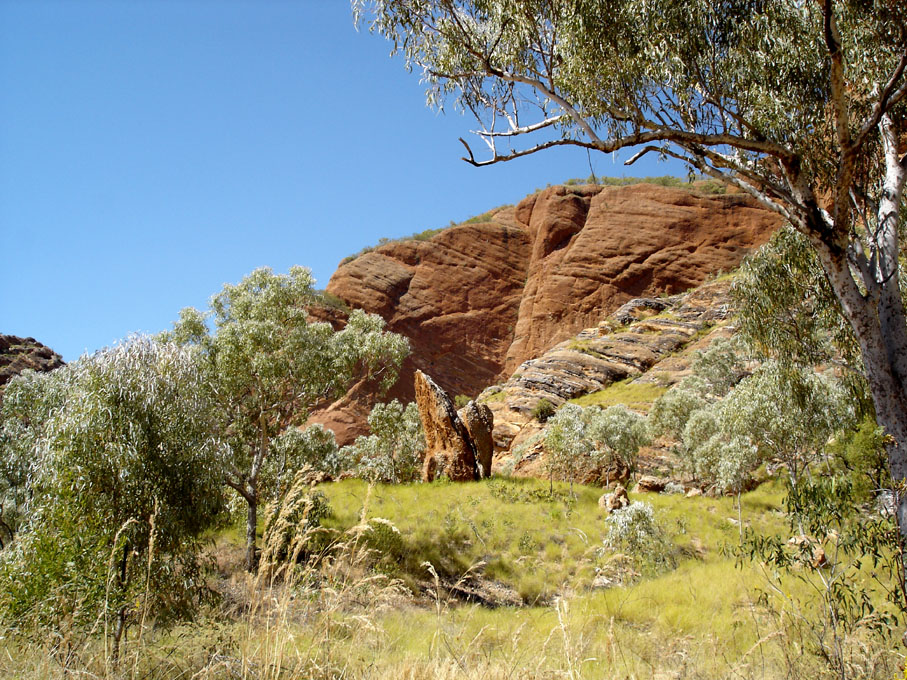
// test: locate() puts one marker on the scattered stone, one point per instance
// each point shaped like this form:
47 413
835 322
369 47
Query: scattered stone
650 484
479 422
692 493
637 308
819 559
602 582
614 500
804 544
449 449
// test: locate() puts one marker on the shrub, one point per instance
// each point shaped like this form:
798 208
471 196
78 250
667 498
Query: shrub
543 410
122 480
393 451
461 400
634 531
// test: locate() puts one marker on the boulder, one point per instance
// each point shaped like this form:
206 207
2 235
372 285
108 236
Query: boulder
479 422
650 484
614 500
449 450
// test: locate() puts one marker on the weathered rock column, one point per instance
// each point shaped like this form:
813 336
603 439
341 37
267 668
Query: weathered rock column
449 449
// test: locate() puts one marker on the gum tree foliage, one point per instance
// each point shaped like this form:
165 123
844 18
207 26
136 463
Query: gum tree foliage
268 366
577 436
802 105
294 449
28 404
392 453
566 442
635 531
715 372
119 476
781 414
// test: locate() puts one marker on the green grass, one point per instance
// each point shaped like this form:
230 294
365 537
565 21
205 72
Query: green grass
500 395
539 544
637 396
699 184
702 619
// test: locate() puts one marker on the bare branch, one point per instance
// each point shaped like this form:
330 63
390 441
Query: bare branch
838 86
525 152
526 129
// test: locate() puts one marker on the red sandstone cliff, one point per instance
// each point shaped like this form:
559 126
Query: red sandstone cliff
478 299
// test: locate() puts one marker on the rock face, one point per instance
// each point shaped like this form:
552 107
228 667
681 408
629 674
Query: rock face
479 422
645 340
449 449
18 354
479 299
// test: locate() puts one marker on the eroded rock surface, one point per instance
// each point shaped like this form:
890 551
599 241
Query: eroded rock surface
479 422
628 344
478 300
18 354
449 450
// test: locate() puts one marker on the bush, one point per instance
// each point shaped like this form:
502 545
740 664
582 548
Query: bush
543 410
393 452
461 400
122 479
633 530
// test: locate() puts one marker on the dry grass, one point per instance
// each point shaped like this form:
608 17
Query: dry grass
324 604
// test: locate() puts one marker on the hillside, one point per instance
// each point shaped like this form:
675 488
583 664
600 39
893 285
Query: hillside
18 354
631 357
479 299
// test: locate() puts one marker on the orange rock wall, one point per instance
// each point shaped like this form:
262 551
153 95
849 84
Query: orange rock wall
477 300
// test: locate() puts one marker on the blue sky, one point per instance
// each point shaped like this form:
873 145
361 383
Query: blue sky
152 151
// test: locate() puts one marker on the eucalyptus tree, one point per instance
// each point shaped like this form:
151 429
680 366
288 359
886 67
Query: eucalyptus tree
799 104
119 477
779 413
393 450
269 365
567 443
576 437
617 434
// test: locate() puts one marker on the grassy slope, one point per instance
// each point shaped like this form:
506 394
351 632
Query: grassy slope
348 619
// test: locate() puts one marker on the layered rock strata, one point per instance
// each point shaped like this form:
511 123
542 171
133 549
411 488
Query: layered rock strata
647 340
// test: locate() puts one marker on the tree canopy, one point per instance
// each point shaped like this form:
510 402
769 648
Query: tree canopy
268 365
117 475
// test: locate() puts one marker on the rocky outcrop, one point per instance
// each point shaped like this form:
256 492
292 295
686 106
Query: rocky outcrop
650 484
645 340
449 450
479 423
18 354
479 299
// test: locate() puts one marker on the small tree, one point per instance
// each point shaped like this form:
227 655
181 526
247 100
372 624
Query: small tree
618 434
295 448
393 451
122 477
268 366
566 443
789 413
